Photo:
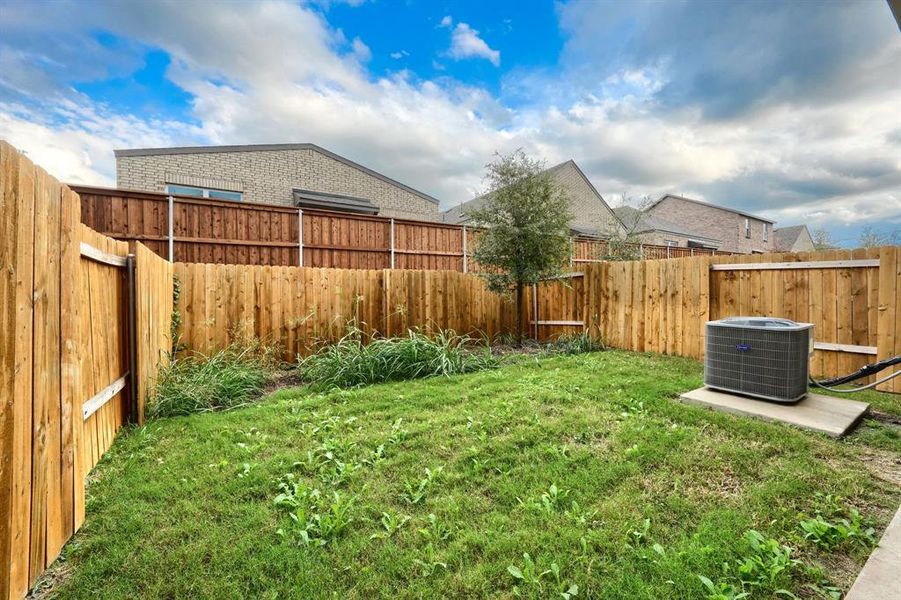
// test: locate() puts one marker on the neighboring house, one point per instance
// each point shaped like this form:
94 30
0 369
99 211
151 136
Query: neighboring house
737 230
302 175
794 239
592 216
650 229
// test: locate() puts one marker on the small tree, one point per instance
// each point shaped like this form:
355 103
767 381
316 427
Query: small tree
870 238
526 219
821 239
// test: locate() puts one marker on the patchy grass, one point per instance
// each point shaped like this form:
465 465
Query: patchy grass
551 476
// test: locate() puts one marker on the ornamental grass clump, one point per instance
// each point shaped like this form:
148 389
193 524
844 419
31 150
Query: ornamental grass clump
350 362
225 379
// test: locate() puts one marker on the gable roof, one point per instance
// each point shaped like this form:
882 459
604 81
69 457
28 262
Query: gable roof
457 214
642 222
321 200
787 236
269 148
709 205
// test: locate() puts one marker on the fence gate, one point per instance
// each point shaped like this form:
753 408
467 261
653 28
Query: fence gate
556 306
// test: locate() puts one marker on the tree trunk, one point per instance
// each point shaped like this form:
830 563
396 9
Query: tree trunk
519 299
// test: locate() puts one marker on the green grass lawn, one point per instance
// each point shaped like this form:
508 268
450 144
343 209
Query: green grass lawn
583 462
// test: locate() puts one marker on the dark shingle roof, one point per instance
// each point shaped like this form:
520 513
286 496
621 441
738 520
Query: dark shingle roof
310 199
787 236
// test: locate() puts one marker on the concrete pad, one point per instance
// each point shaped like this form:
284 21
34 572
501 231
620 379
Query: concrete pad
879 579
832 416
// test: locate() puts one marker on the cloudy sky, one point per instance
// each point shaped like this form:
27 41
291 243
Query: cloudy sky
787 109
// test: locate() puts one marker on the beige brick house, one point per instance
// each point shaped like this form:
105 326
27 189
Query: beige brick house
302 175
736 230
592 215
649 229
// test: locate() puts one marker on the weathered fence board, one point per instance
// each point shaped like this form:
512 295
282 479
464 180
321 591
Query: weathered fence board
62 335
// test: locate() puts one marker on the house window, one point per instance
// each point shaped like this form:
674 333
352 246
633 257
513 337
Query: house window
748 228
766 232
199 192
671 243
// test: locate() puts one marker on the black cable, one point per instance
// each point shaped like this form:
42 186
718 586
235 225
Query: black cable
864 371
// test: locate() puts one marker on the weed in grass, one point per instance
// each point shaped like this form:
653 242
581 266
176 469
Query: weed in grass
201 383
416 490
391 525
835 524
316 523
428 562
551 501
638 536
350 363
434 530
767 563
398 433
722 590
376 456
529 580
579 516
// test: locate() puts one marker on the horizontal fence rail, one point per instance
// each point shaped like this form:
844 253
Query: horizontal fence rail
201 230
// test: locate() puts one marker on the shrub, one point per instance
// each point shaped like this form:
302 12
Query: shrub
225 379
349 362
575 343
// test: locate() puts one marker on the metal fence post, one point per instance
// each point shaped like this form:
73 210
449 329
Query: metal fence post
392 242
171 229
299 237
133 415
465 266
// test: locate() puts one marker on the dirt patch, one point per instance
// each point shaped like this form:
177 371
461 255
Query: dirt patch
884 465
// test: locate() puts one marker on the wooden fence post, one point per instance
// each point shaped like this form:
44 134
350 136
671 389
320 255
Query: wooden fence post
300 237
465 258
171 228
392 242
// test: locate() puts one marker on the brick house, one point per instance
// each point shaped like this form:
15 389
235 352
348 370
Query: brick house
592 215
737 231
303 175
650 229
794 239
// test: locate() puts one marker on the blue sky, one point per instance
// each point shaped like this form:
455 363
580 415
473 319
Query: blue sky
790 110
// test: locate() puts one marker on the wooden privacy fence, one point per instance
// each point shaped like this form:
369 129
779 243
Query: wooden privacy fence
222 232
72 368
299 307
851 296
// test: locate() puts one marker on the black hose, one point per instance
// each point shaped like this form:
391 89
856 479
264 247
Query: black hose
864 371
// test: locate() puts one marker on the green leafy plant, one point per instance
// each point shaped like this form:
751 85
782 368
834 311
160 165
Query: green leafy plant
391 524
639 535
428 561
767 564
318 524
350 362
435 531
835 523
225 379
416 490
529 580
575 343
551 501
722 590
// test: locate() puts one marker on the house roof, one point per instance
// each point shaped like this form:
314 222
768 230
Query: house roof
269 148
642 222
709 204
787 236
457 214
310 199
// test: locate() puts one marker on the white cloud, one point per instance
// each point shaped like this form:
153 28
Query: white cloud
399 54
466 43
828 163
446 21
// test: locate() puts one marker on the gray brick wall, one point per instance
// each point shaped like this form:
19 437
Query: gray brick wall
269 176
717 223
589 209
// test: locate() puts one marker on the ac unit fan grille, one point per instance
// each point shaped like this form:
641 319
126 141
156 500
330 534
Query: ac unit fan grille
765 362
